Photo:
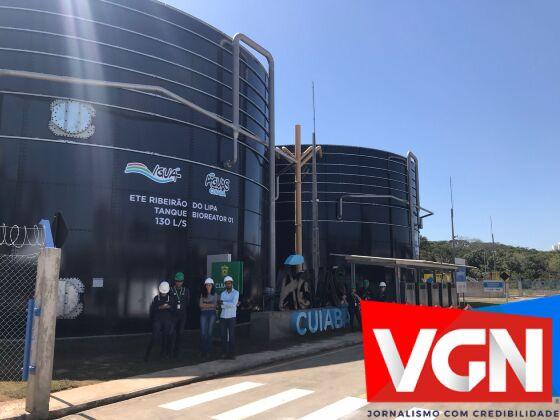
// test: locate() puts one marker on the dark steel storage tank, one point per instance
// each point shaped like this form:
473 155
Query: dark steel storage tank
378 227
129 171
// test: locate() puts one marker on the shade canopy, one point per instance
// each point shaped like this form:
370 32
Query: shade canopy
397 262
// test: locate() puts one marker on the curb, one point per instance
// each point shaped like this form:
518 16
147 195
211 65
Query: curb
219 369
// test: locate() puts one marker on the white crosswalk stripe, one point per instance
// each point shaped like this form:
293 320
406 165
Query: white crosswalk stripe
337 410
263 405
210 396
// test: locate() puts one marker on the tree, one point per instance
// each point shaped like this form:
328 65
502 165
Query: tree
518 262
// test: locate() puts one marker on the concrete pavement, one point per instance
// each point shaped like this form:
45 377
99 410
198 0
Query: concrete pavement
324 386
83 398
287 390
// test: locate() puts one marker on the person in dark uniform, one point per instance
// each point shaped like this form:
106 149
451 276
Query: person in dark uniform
162 317
354 308
182 298
381 295
365 292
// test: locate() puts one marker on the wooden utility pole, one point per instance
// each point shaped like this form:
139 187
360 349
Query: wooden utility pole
42 347
297 160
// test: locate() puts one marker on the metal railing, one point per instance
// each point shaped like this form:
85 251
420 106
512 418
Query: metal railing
339 214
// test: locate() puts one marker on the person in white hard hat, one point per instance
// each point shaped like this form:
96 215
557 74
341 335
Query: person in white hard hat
162 317
382 292
228 302
207 303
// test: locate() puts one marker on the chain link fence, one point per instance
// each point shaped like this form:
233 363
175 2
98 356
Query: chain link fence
546 287
514 289
19 255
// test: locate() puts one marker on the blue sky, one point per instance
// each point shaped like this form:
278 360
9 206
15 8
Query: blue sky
472 87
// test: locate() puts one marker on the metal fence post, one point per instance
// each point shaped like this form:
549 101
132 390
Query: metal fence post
27 344
42 350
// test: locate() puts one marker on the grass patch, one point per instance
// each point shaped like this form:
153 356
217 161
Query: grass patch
12 390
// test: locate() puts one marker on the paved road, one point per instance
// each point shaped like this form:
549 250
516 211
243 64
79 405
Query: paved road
324 387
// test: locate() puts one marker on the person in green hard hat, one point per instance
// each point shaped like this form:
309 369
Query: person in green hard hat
181 299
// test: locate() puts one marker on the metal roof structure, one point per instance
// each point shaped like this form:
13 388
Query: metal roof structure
396 262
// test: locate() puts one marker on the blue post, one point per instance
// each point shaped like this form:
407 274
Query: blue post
49 243
28 332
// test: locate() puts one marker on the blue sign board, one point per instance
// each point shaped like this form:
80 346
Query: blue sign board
493 285
311 321
461 274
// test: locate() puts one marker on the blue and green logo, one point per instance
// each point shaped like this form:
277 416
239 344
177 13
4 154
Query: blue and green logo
159 174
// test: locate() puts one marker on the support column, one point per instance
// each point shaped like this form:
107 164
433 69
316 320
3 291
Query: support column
438 297
398 284
44 326
353 275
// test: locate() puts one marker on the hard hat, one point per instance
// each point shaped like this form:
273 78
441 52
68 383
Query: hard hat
179 276
228 278
382 284
208 281
164 287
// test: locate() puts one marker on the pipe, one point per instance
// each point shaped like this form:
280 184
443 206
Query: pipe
342 197
411 157
237 39
27 345
297 181
286 154
392 197
235 100
131 86
314 206
236 42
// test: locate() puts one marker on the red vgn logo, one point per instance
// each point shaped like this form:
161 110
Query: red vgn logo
423 354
